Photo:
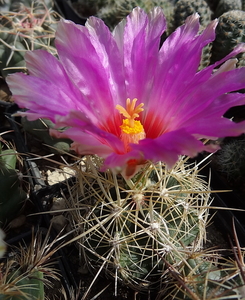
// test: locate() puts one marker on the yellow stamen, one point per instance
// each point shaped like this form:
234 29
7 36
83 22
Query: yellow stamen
126 128
131 112
132 130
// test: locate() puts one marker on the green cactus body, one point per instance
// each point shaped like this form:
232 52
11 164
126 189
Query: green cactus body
212 4
227 5
28 287
29 28
87 8
40 129
202 277
12 196
113 13
127 226
231 161
185 8
229 33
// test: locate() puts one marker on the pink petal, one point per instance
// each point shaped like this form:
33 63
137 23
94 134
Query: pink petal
48 91
138 39
79 123
86 143
91 59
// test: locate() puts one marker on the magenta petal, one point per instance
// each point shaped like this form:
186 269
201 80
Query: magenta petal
79 123
169 146
92 60
46 98
85 143
97 69
179 58
138 39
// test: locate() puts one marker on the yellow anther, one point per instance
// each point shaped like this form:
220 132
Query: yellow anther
131 112
126 128
132 130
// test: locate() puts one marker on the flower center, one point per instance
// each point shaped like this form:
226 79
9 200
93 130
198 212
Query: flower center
132 130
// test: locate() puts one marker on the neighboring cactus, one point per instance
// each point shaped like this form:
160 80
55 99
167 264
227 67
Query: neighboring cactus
227 5
185 8
204 276
25 273
231 160
113 13
2 244
212 4
28 28
229 33
207 275
12 196
40 128
127 225
87 8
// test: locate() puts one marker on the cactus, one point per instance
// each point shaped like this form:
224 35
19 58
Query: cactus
212 4
27 28
114 12
229 33
231 160
127 224
148 232
202 276
227 5
207 275
2 243
87 8
40 129
12 195
185 8
24 274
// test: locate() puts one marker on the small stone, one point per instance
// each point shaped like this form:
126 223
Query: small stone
17 222
59 204
59 222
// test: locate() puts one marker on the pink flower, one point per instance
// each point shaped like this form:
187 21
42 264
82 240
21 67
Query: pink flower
126 100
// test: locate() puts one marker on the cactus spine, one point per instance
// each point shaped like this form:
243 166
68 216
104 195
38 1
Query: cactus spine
26 28
127 225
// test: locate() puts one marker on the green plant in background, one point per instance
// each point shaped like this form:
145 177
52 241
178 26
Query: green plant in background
30 25
88 8
207 275
2 243
27 270
115 11
231 160
40 129
229 33
185 8
227 5
12 196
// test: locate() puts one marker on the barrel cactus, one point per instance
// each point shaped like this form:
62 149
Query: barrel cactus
26 270
231 160
207 276
115 11
229 33
185 8
128 225
12 195
227 5
29 26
